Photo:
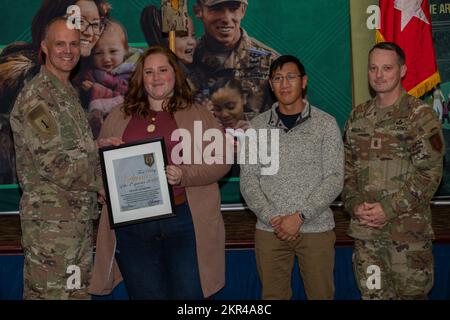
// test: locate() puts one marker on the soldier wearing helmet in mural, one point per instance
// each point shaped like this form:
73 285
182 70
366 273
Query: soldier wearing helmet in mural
226 50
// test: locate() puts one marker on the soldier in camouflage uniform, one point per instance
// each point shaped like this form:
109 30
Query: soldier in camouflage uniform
56 160
394 150
226 51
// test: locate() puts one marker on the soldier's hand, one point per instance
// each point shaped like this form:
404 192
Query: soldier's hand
101 197
360 213
372 215
111 141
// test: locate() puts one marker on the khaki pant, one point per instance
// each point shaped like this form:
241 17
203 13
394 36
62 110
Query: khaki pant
387 270
58 259
275 261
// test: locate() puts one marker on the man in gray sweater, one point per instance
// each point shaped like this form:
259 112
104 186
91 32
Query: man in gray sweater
292 205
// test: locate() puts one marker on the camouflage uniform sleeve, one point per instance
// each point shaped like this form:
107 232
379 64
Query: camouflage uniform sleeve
427 153
23 156
56 157
350 193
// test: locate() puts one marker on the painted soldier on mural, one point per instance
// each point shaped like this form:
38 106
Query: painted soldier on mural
226 50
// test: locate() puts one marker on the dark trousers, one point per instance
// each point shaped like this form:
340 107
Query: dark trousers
158 259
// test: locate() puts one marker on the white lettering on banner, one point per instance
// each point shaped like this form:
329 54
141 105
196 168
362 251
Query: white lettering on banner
433 8
444 8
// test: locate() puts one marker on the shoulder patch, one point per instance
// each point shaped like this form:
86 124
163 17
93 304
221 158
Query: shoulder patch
42 121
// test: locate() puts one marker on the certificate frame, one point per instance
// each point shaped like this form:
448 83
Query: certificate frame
135 182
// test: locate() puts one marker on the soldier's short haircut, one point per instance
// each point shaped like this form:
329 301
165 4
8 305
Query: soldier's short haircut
282 60
41 55
53 21
391 46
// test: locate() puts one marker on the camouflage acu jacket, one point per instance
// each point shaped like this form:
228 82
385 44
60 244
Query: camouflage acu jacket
249 62
393 156
56 156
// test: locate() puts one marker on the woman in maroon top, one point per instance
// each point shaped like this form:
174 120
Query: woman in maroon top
180 257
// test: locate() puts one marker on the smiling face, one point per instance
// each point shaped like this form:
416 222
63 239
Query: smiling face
90 14
228 106
289 93
385 71
222 21
110 50
185 45
158 77
62 49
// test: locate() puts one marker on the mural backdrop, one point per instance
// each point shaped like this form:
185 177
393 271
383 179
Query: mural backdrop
318 32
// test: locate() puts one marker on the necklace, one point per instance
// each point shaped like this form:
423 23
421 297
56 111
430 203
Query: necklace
151 127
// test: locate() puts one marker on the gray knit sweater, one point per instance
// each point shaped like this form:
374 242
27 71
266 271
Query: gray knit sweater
310 175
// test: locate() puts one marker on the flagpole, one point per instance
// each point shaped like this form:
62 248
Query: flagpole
175 7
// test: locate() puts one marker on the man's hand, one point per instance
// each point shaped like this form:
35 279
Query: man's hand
106 142
101 197
370 214
287 228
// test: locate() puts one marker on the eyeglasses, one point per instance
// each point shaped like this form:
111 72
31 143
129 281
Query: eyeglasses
97 27
290 77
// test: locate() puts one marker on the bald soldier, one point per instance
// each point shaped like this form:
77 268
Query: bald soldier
56 159
227 51
394 149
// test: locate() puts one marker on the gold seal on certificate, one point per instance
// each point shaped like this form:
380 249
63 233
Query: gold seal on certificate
149 159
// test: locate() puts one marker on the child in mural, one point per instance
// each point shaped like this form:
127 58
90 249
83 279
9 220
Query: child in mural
185 42
7 161
229 104
438 98
107 82
445 107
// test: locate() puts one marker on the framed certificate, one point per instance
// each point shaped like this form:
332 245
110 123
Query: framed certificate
135 182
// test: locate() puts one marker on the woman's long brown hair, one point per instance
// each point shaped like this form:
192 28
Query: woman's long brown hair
136 101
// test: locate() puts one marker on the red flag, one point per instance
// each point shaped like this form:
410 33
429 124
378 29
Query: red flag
408 24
